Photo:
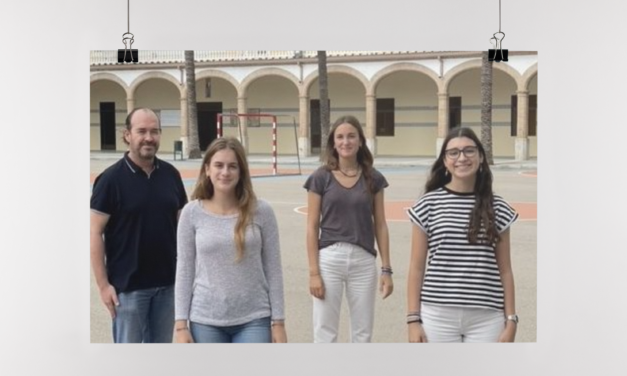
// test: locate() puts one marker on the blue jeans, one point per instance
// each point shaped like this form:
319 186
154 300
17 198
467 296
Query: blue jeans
145 315
256 331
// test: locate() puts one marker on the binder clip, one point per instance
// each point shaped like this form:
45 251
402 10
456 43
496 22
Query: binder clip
128 55
497 54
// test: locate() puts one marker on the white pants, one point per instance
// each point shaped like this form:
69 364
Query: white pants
461 324
345 266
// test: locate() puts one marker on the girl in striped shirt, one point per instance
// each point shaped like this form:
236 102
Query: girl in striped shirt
460 281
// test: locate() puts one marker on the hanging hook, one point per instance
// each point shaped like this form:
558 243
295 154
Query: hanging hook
498 54
129 38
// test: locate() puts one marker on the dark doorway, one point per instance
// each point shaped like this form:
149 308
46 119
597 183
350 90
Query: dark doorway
107 125
454 112
207 122
532 115
385 117
315 131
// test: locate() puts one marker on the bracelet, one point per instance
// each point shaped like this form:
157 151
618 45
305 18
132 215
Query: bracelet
386 270
183 328
414 317
278 322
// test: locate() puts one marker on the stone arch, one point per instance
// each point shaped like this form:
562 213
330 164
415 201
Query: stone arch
473 64
105 76
160 75
265 72
399 67
526 78
206 73
309 80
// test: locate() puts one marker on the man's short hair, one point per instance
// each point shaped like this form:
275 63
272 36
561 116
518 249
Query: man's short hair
127 122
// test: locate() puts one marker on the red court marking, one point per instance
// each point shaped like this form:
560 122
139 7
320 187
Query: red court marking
396 210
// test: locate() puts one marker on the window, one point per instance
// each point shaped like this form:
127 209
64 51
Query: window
233 119
169 118
532 115
254 121
385 116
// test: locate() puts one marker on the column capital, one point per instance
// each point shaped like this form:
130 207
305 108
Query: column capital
522 92
442 95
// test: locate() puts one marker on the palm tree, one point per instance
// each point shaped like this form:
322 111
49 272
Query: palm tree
323 84
192 108
486 106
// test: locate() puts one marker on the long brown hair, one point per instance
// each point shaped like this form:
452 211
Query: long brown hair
482 214
364 156
247 201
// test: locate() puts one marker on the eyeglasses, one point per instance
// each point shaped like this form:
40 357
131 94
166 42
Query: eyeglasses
469 152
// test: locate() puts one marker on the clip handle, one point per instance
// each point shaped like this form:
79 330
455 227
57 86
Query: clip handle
498 40
130 39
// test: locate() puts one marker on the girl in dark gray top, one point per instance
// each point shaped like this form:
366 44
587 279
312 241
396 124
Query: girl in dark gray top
229 282
345 216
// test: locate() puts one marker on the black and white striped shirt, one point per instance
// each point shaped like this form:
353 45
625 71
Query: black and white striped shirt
459 273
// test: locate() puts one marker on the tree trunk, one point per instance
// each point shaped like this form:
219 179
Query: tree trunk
486 106
323 83
192 108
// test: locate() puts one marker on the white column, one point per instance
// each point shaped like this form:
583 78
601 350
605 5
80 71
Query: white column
521 151
371 123
184 127
304 147
242 108
442 121
130 104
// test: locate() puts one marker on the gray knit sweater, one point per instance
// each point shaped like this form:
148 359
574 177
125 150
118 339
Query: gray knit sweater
211 287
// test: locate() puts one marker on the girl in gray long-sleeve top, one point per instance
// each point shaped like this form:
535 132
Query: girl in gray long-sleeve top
229 282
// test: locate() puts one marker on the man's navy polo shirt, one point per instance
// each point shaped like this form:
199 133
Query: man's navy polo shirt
140 236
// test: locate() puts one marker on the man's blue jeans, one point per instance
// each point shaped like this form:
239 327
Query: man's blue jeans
145 316
256 331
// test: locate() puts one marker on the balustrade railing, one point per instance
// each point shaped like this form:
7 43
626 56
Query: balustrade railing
106 57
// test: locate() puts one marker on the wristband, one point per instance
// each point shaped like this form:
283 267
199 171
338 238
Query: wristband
414 317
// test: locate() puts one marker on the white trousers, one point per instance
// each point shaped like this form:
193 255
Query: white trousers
345 266
461 324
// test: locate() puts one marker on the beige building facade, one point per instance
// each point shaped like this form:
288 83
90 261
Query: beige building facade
406 100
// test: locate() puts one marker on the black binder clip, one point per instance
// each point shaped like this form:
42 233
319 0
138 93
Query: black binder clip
128 55
497 54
